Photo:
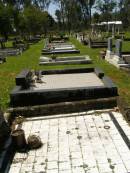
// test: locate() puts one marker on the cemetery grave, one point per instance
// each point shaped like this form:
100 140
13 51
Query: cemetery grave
33 39
54 86
2 42
62 50
93 41
26 85
80 37
83 38
18 45
47 89
65 60
97 44
8 51
2 58
21 44
59 110
126 57
57 38
69 142
118 58
11 51
58 48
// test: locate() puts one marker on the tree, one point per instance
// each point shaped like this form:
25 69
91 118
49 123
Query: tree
75 13
90 4
86 6
24 16
96 17
126 13
59 18
106 8
33 18
42 4
6 20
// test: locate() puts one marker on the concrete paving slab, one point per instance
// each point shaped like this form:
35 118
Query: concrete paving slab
70 146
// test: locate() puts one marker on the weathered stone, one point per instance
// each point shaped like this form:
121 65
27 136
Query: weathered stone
97 44
64 107
65 60
119 47
110 44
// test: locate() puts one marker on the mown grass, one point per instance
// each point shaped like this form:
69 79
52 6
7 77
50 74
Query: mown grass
9 70
12 67
30 60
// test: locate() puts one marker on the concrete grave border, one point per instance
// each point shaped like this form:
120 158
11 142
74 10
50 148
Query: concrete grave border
84 59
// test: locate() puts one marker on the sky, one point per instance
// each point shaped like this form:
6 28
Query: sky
52 9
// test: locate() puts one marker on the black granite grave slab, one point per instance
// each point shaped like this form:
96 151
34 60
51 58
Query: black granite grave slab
33 96
24 78
97 44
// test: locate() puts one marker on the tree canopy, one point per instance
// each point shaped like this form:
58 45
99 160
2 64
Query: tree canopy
24 17
31 16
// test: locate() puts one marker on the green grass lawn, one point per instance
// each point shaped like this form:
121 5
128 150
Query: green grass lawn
30 60
9 44
126 46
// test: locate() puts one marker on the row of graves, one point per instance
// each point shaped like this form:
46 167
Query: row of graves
100 32
64 121
18 46
59 47
92 40
7 51
113 54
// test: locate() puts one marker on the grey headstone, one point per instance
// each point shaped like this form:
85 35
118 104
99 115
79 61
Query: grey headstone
90 42
110 44
119 47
